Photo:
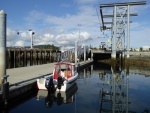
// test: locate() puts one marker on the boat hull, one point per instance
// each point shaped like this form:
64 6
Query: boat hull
65 86
68 83
41 83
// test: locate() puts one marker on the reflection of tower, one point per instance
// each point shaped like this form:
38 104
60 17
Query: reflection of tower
114 96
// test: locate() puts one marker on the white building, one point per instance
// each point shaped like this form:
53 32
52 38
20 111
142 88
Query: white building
146 48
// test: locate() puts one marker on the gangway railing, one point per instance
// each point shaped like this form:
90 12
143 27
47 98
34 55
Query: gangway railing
69 54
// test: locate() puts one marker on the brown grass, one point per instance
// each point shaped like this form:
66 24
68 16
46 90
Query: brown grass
130 62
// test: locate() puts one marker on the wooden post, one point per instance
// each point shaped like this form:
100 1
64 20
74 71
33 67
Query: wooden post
25 57
31 56
35 56
40 56
50 56
14 58
36 53
19 57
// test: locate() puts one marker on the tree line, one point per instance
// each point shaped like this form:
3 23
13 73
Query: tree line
47 47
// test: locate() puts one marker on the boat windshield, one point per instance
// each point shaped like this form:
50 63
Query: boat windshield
64 70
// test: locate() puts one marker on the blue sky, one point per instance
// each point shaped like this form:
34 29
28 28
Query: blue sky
56 22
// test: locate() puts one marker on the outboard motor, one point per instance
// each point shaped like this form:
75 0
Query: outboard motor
49 84
60 82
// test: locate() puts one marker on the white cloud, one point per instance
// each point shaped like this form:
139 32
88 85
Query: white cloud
64 30
86 16
11 34
19 43
25 36
67 39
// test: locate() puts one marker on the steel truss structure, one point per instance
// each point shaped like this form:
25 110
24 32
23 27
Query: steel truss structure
120 25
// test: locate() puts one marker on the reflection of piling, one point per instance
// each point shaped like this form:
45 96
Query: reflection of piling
84 53
127 85
113 63
123 60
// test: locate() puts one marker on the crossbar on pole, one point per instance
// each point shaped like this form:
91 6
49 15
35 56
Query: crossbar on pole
110 16
123 4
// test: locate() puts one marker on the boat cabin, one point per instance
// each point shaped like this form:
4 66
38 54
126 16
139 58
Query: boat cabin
64 69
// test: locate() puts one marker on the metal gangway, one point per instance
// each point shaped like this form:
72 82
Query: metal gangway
74 54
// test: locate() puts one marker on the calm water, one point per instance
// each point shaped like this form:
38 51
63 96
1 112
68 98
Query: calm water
99 89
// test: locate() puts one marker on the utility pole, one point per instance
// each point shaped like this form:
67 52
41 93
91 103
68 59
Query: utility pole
79 31
31 36
31 33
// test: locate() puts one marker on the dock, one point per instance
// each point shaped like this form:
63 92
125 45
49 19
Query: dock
23 79
17 75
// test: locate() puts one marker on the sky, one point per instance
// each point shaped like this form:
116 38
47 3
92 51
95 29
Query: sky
62 22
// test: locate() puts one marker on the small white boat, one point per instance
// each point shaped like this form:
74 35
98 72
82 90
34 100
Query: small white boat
64 75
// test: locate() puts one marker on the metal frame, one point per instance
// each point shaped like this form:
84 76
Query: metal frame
120 25
120 34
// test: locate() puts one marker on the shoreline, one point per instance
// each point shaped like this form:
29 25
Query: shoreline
133 61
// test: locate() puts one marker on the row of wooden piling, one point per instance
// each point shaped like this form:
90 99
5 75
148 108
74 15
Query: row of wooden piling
31 54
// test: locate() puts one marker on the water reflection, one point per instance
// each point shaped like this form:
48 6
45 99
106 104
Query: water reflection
58 97
116 95
15 102
100 88
86 73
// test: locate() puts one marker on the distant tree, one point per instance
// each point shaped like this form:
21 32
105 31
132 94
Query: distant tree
95 48
141 49
47 47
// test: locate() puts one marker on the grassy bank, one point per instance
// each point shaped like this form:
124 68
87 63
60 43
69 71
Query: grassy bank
132 62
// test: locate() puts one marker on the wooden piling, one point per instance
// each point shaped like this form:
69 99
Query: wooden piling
2 46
